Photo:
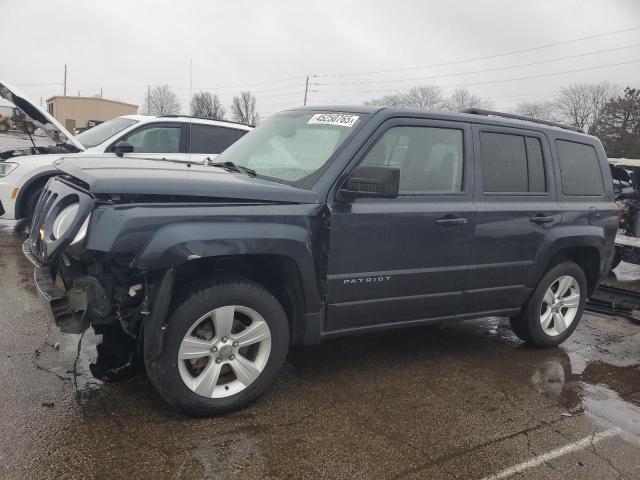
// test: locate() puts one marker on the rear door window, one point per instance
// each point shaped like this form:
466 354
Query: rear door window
512 163
579 169
212 139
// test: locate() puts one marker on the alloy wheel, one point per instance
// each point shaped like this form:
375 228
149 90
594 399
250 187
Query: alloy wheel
224 351
560 305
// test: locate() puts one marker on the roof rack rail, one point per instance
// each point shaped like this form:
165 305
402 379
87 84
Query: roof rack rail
479 111
203 118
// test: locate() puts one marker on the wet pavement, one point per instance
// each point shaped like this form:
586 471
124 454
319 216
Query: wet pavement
456 401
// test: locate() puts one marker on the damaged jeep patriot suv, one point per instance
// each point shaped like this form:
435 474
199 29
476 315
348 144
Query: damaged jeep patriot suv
321 223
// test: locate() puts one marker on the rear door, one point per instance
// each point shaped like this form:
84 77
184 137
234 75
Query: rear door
403 259
517 206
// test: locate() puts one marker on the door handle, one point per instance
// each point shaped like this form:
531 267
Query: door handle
451 220
541 218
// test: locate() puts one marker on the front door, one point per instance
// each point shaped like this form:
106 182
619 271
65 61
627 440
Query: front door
405 259
158 140
516 201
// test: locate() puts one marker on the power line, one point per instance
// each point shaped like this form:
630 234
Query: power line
500 81
257 84
486 57
495 69
531 95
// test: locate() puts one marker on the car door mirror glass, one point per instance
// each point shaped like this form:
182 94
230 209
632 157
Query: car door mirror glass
380 181
122 147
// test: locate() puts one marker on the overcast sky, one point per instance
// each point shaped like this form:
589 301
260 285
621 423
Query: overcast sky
122 46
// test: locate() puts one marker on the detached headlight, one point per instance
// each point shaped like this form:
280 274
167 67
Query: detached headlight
64 220
82 232
6 168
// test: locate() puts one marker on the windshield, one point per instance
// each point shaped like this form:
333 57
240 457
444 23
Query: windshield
292 147
100 133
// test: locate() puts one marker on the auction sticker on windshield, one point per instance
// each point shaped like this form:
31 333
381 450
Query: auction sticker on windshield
341 119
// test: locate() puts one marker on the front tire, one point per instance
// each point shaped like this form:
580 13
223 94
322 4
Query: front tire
555 307
31 202
224 345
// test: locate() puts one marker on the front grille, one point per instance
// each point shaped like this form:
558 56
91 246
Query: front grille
56 195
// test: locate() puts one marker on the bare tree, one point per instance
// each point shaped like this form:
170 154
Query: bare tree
243 109
582 104
387 101
161 101
420 96
540 110
424 96
463 98
206 105
431 98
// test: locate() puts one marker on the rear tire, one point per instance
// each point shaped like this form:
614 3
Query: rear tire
224 345
555 307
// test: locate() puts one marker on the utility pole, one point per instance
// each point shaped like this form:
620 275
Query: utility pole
306 90
65 79
148 98
190 85
100 93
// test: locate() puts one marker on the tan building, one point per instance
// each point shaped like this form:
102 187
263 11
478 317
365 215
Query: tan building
75 112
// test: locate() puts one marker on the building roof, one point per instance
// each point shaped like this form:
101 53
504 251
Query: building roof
73 97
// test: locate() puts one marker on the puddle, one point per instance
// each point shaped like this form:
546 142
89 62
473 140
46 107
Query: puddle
606 393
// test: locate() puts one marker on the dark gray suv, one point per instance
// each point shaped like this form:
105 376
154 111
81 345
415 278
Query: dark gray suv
321 223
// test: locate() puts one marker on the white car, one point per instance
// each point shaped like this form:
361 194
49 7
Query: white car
24 171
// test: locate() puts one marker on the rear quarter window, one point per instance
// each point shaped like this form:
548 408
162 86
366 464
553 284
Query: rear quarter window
579 169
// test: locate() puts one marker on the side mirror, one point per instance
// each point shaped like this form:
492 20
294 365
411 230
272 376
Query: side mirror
122 147
372 181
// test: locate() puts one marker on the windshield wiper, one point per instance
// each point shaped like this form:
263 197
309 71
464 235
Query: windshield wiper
232 167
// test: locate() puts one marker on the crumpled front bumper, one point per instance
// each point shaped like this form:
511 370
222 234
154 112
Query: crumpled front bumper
54 299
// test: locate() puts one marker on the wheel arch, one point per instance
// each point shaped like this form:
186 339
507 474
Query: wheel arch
278 273
36 181
583 248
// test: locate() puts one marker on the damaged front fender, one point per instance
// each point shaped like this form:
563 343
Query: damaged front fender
154 325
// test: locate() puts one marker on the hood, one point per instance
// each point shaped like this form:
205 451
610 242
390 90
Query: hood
157 177
40 116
